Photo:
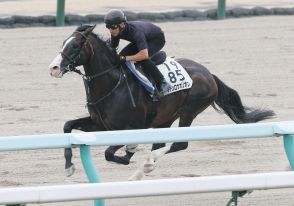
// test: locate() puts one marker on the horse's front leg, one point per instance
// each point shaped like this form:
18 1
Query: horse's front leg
83 124
186 119
157 151
157 154
149 164
125 160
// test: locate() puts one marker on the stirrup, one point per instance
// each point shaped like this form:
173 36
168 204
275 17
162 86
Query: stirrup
164 87
157 95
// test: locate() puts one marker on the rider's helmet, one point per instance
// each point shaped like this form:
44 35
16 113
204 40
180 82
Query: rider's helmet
114 17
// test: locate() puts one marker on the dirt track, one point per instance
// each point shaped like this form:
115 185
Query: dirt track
252 55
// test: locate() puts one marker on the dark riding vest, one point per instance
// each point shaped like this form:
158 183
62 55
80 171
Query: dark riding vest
139 33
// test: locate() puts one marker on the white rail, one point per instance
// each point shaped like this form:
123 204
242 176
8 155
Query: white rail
152 187
147 136
62 193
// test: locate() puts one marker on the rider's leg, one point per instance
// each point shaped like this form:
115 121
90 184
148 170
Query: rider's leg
150 68
154 46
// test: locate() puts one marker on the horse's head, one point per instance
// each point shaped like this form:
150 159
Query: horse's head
73 52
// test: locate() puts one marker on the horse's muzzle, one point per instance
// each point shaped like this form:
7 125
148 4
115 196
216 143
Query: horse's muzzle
54 67
56 72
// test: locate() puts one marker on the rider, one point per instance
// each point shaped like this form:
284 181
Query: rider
145 40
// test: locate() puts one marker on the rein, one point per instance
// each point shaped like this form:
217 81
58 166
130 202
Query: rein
108 94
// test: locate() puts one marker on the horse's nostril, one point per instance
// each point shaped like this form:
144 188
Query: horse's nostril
55 67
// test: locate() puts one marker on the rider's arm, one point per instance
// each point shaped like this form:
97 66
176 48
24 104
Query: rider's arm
141 55
114 42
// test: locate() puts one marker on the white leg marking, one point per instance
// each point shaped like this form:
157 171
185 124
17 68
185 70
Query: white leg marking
70 171
131 148
154 156
138 174
148 165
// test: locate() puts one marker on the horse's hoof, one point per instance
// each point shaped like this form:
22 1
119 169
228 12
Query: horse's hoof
148 168
70 171
138 175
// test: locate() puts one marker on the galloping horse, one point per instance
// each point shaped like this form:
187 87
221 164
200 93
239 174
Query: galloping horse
109 87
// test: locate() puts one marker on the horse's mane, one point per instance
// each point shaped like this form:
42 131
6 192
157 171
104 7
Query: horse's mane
83 27
104 45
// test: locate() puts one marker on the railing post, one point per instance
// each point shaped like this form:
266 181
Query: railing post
60 13
85 152
221 9
289 148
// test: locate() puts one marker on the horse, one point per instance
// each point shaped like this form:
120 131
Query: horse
116 101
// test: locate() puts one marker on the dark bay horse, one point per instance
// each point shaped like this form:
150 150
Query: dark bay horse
108 86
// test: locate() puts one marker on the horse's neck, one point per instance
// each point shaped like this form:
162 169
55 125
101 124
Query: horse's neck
104 83
102 58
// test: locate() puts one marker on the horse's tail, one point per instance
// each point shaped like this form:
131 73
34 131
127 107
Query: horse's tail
230 102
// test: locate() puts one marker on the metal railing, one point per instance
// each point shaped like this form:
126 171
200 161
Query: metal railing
147 136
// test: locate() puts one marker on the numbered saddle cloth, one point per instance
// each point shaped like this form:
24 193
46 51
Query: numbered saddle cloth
171 70
175 74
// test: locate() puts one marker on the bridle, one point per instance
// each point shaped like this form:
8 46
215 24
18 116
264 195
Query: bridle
88 78
71 66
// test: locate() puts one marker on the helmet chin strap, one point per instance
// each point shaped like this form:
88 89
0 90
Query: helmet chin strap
121 28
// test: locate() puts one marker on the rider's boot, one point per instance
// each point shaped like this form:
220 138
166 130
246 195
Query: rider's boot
157 95
151 69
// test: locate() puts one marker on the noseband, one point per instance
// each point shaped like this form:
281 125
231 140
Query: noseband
71 66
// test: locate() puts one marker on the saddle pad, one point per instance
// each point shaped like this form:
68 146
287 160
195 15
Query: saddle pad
175 74
142 79
171 70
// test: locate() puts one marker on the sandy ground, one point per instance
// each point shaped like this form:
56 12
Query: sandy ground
252 55
37 7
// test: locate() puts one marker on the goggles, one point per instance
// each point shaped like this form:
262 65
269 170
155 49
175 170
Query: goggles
111 26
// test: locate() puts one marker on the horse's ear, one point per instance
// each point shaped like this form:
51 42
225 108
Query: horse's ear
90 29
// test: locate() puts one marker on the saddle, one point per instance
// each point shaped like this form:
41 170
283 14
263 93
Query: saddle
172 71
158 58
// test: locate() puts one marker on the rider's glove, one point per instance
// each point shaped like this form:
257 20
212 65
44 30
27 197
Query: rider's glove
122 59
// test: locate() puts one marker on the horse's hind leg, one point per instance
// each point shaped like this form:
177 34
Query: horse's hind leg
157 147
83 124
148 165
186 118
197 105
185 121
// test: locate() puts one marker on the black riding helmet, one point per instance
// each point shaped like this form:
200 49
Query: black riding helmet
114 17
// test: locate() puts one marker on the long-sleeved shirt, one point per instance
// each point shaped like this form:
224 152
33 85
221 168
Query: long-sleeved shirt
138 32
